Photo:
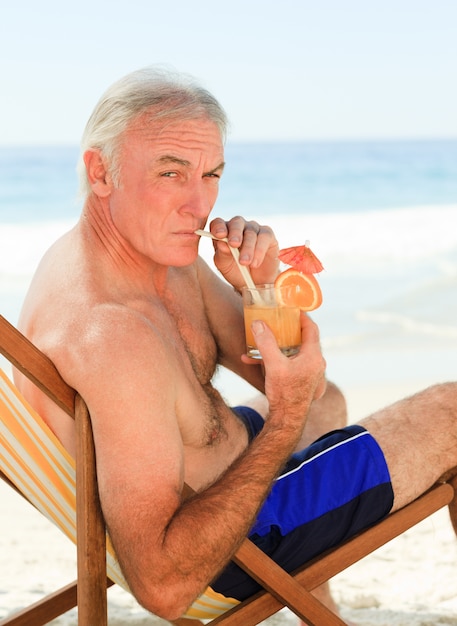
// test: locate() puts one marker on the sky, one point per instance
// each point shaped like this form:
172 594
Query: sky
282 69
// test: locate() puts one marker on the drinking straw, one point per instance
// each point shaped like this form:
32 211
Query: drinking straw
236 255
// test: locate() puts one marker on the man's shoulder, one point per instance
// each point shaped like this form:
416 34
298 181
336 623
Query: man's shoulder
96 339
112 323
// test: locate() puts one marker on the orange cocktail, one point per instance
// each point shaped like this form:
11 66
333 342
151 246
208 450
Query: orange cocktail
269 304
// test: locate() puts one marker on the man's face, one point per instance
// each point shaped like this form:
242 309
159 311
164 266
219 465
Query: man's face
168 184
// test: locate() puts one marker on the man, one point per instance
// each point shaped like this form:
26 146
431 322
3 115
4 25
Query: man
137 323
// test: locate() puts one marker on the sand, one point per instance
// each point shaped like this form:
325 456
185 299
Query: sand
411 581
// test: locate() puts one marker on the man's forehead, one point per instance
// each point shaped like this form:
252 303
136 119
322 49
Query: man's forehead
153 129
176 141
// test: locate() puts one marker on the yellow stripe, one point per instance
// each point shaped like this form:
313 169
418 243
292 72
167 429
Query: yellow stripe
210 604
32 464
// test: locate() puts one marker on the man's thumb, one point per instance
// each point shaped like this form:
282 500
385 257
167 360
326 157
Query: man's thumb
264 338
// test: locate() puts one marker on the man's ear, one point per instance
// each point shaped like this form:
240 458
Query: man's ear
98 176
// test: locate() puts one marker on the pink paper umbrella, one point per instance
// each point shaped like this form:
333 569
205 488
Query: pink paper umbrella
301 258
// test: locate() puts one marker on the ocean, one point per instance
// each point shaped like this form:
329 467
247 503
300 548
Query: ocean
380 216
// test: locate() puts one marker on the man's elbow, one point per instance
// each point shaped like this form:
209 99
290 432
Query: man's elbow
168 601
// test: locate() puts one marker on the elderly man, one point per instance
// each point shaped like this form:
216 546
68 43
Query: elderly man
137 322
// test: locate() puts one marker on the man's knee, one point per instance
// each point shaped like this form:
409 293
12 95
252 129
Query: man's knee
445 394
326 414
332 406
438 403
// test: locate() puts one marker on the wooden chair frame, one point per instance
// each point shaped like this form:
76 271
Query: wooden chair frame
281 589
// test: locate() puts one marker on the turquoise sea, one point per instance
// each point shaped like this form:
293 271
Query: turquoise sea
380 215
261 179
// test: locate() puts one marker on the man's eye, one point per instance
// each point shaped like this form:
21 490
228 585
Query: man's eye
169 174
212 175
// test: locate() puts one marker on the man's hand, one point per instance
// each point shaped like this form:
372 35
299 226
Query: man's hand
257 246
291 383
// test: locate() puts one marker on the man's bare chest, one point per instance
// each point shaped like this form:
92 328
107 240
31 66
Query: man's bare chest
193 336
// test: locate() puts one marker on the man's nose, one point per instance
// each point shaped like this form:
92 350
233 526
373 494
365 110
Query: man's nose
199 200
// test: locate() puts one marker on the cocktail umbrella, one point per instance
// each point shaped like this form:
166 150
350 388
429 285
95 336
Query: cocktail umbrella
301 258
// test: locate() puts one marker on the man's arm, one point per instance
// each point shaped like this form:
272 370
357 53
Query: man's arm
169 548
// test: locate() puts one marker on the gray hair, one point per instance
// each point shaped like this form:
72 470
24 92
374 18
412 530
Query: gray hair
166 94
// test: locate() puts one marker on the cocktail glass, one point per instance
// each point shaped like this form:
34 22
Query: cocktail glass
268 303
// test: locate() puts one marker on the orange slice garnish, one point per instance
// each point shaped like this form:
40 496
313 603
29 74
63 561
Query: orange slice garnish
307 295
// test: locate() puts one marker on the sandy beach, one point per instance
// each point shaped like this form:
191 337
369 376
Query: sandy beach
411 581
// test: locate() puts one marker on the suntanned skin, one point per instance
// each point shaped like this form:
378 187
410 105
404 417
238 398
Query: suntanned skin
137 323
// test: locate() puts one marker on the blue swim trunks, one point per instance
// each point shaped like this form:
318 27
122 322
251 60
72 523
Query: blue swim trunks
326 493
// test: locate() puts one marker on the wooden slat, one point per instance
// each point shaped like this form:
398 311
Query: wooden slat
90 527
453 503
283 587
45 610
36 366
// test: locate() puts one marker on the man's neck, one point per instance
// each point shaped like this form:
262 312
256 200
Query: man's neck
110 249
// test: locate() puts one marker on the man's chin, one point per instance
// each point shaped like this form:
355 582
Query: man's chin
182 257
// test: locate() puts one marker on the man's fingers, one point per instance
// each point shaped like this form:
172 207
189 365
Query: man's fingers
265 340
309 330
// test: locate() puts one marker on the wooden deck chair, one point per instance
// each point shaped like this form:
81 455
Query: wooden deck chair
33 462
